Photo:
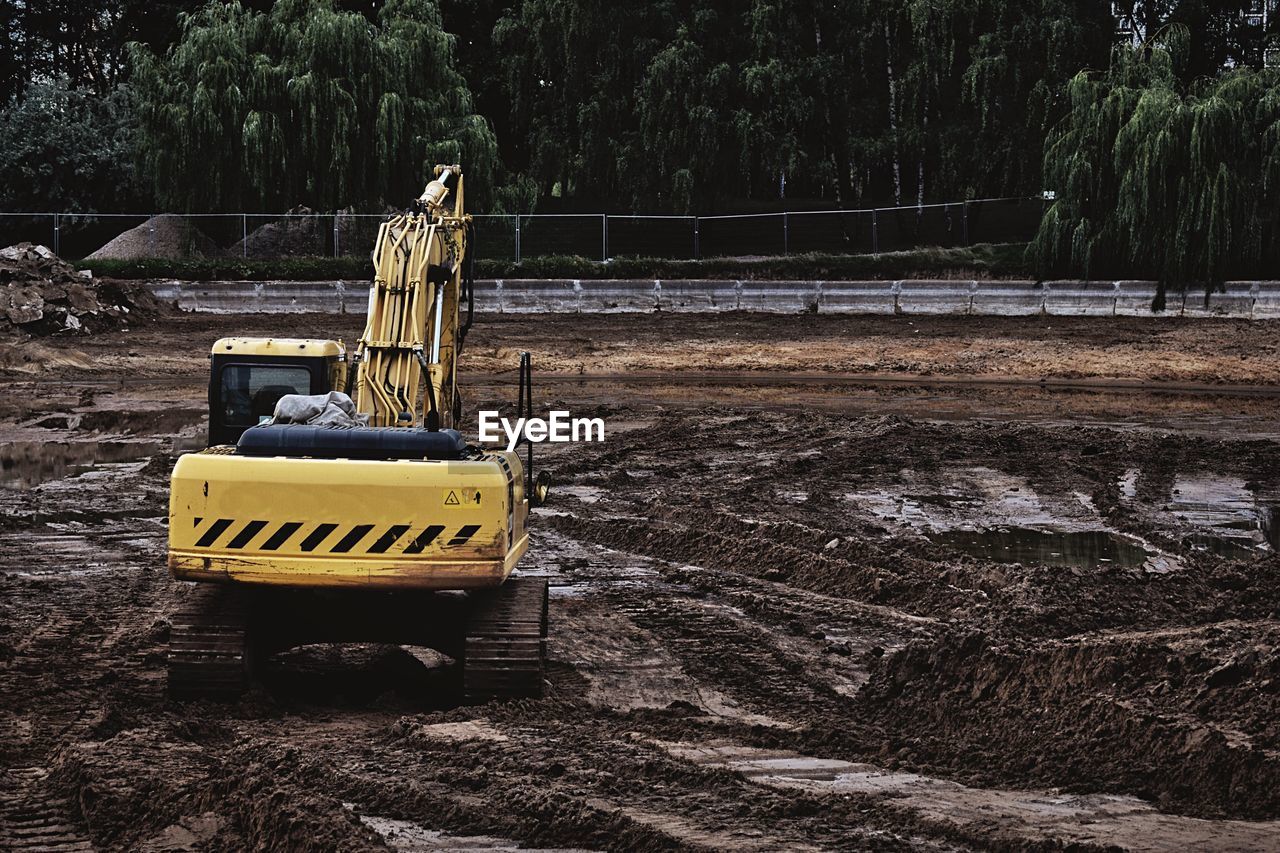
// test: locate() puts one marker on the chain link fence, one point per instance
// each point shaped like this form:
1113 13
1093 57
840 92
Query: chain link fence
515 238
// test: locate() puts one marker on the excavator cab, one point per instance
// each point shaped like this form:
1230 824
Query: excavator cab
248 376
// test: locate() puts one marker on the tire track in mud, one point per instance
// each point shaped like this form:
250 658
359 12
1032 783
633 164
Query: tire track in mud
132 776
46 704
125 775
34 819
78 603
548 773
999 707
725 601
541 773
815 724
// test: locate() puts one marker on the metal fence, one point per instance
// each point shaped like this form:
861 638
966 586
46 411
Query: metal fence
516 238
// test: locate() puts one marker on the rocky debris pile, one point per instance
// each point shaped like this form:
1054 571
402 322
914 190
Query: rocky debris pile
165 236
40 294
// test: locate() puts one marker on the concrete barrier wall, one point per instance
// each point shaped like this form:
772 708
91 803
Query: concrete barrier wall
935 297
1138 299
1236 301
1080 298
1007 298
783 297
1266 300
1258 300
697 295
858 297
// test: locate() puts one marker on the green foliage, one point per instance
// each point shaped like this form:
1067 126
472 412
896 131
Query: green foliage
979 261
571 68
81 41
852 102
1178 182
619 105
306 104
982 261
66 149
1014 88
233 269
686 126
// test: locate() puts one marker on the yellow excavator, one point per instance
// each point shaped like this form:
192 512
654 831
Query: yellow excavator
314 516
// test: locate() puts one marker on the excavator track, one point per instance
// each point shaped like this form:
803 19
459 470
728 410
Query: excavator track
209 644
505 649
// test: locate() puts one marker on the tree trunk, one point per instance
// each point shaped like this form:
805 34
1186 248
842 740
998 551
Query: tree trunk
924 141
893 117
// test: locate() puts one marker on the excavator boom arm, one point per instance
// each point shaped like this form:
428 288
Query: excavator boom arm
413 330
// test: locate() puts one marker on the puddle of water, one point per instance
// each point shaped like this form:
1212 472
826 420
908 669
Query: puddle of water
61 555
573 568
1108 820
1214 500
1129 483
1073 549
1269 521
408 836
1227 517
586 494
960 498
26 464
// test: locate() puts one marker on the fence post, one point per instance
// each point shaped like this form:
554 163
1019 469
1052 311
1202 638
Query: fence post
57 235
786 234
337 249
964 220
151 235
517 238
244 235
697 249
875 231
604 237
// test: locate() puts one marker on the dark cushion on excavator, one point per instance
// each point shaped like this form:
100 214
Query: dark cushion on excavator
351 442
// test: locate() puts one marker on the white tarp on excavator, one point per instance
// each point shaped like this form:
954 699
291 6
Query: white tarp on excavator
332 409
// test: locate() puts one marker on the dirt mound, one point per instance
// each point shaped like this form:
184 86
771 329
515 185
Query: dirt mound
756 643
42 295
164 236
300 232
1163 714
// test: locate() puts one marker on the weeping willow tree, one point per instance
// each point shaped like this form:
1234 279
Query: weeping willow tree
685 130
1154 179
305 104
570 70
704 104
1010 96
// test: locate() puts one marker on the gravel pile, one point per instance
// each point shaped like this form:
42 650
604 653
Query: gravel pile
165 236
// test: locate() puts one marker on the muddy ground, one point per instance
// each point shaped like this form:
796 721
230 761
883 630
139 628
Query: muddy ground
830 583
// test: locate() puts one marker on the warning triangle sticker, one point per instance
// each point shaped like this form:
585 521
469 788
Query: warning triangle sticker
452 500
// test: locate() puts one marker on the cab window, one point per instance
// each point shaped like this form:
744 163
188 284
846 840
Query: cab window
250 391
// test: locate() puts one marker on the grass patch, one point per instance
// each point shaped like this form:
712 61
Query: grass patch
222 269
1004 260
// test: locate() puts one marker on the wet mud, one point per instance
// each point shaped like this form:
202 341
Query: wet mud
785 615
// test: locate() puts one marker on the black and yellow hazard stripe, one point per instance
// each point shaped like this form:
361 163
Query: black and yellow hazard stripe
425 538
465 534
343 540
